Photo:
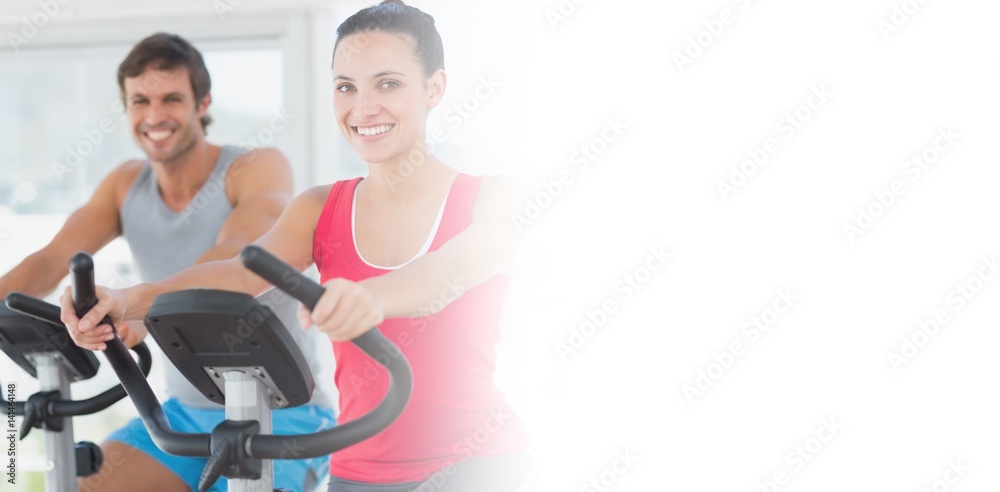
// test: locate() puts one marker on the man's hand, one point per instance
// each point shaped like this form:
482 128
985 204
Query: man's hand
132 332
88 332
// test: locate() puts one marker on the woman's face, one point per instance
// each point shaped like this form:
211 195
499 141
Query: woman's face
381 97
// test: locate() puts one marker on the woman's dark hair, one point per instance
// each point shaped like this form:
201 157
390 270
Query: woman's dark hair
393 16
167 52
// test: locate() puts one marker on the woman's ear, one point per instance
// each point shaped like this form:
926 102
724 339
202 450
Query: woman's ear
436 85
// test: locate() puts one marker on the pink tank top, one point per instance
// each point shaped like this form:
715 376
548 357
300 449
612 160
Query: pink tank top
455 412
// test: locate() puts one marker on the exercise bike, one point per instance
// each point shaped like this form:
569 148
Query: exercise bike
236 352
41 346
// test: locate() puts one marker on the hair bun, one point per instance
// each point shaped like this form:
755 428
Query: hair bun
394 16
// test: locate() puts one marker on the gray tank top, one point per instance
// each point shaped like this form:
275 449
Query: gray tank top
164 242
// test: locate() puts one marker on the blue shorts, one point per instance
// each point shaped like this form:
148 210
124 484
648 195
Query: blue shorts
289 474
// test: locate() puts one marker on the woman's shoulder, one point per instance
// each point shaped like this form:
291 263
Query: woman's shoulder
319 194
498 186
491 181
493 194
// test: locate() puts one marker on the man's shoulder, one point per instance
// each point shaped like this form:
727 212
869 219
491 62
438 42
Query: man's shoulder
256 170
262 157
117 183
125 174
130 166
258 163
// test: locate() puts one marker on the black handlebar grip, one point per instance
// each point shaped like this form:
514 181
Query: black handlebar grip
282 276
43 311
372 342
35 308
81 268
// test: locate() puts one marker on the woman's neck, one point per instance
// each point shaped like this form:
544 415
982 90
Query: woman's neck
407 183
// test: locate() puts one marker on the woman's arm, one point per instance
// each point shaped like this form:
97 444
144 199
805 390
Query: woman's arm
484 249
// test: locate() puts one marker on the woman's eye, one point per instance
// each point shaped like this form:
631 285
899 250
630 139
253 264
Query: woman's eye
345 88
389 84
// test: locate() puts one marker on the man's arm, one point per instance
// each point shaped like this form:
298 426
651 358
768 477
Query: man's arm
259 184
290 240
89 229
487 247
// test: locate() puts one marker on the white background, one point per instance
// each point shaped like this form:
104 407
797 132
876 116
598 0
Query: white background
620 392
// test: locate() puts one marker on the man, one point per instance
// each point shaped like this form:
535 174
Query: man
189 202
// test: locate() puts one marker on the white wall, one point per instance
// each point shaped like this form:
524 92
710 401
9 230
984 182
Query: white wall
306 32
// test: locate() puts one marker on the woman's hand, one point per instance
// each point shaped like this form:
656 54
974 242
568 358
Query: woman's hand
88 332
346 310
132 332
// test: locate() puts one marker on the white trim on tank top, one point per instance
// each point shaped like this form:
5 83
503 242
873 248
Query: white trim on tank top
423 250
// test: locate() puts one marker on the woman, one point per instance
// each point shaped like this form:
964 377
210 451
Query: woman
416 248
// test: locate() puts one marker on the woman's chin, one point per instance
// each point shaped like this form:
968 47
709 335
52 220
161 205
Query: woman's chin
372 156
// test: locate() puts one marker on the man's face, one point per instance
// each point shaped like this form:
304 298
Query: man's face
164 116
